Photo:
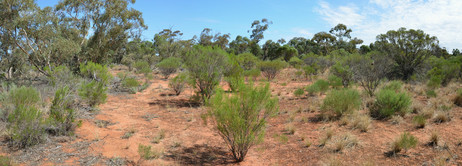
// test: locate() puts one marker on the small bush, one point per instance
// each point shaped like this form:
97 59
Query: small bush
234 74
247 61
62 115
142 67
146 152
254 73
169 66
343 72
389 103
334 81
93 92
299 92
431 93
241 117
340 102
419 121
434 139
318 86
61 75
131 83
295 62
405 141
96 72
16 97
178 83
309 71
270 69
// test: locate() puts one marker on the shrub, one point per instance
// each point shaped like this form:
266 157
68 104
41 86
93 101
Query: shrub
270 69
94 91
178 83
146 153
24 126
334 81
206 66
254 73
340 102
61 76
405 141
295 62
234 74
62 115
142 66
131 83
318 86
370 69
389 103
309 71
241 118
299 92
394 86
419 121
169 66
458 98
247 61
343 72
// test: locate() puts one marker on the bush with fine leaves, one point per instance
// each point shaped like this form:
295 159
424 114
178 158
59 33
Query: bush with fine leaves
340 102
270 69
241 117
94 89
206 66
389 102
62 115
169 66
24 125
178 83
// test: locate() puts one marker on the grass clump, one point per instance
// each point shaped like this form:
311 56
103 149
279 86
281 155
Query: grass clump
389 102
404 142
62 115
358 121
131 83
441 117
458 98
147 153
5 161
434 139
339 143
158 137
241 117
340 102
419 121
394 86
299 92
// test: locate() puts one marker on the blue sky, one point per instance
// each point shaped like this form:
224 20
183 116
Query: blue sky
302 18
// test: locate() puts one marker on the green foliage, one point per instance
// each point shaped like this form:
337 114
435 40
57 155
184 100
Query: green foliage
309 71
146 153
389 102
405 141
61 76
431 93
131 83
340 102
334 81
419 121
270 69
234 74
394 86
62 115
178 83
247 61
241 117
254 73
142 66
443 71
169 66
295 62
318 86
299 92
93 92
206 66
342 71
24 126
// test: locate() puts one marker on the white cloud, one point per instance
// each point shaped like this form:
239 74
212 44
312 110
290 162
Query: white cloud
441 18
302 31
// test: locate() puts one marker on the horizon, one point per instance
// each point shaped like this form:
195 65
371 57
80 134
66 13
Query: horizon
367 18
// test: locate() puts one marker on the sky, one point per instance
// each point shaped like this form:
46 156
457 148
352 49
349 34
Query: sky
302 18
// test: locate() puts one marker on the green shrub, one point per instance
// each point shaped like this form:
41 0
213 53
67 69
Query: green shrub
206 66
340 102
234 74
241 117
295 62
389 102
62 115
178 83
309 71
16 97
254 73
343 72
394 86
142 66
405 141
247 61
131 83
431 93
93 92
419 121
146 152
334 81
318 86
270 69
169 66
61 76
299 92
